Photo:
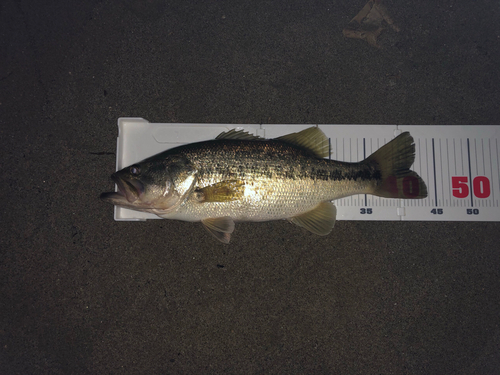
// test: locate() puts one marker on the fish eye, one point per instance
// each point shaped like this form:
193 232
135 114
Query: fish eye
135 170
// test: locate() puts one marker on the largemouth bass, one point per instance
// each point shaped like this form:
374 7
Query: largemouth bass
241 177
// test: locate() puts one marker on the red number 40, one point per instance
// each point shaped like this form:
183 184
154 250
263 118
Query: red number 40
480 186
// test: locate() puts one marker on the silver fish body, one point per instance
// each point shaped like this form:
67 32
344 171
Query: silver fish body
239 177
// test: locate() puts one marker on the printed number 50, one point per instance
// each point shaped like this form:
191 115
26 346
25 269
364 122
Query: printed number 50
480 186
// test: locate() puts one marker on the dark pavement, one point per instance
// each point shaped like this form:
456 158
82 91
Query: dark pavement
83 294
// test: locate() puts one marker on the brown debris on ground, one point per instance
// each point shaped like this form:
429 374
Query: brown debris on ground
367 24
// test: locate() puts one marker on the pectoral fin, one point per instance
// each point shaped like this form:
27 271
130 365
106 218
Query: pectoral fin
220 227
224 191
320 220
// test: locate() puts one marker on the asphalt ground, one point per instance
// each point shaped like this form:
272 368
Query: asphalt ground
83 294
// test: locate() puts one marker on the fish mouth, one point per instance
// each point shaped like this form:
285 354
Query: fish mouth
128 192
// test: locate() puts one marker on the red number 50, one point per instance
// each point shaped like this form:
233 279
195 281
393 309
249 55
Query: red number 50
480 186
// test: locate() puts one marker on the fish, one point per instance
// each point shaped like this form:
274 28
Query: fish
240 177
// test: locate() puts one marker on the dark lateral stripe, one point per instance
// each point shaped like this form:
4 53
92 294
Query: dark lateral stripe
364 174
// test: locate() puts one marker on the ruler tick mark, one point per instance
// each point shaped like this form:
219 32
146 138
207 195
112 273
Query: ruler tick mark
441 169
491 171
470 174
435 181
364 157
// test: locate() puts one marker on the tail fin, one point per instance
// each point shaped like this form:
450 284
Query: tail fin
394 160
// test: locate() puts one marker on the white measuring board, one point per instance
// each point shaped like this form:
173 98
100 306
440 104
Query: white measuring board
460 164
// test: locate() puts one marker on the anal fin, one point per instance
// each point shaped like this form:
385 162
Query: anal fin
320 220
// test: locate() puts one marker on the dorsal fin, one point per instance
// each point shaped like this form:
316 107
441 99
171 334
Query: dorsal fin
312 139
238 134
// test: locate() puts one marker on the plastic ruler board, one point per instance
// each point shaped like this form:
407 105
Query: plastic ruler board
460 164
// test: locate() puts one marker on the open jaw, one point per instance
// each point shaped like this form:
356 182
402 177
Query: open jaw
128 192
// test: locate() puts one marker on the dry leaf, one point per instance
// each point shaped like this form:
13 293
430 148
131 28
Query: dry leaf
367 24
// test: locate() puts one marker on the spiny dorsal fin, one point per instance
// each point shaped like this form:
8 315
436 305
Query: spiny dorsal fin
312 139
238 134
320 220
